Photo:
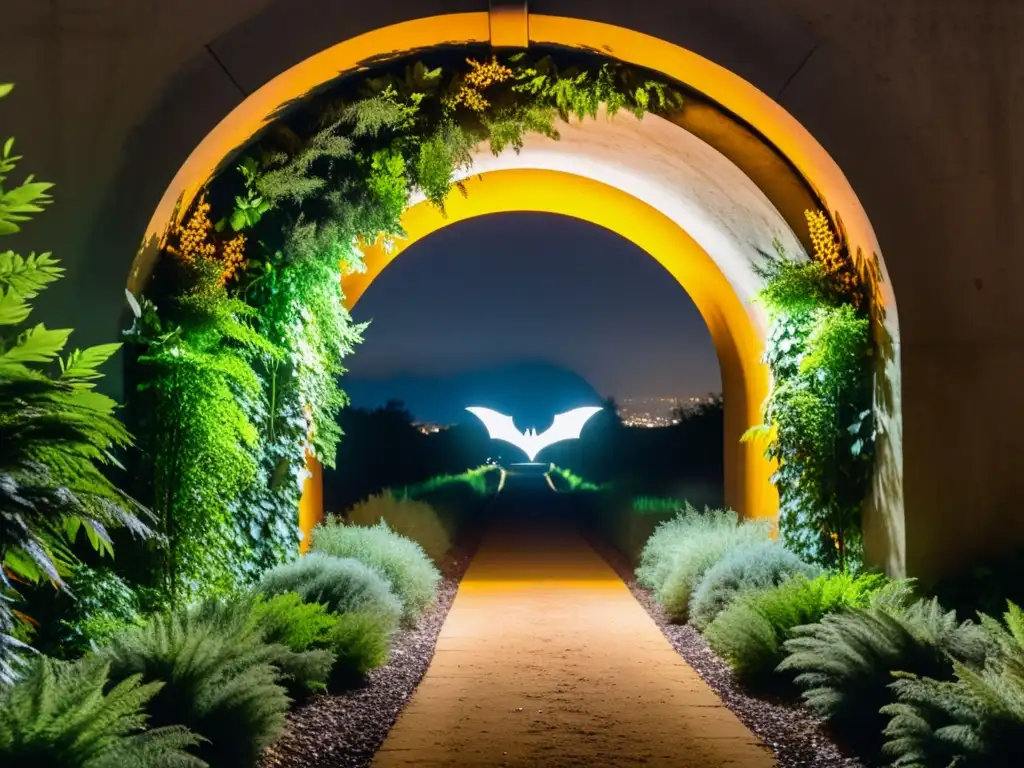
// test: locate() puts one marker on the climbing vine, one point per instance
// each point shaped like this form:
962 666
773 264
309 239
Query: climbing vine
239 341
818 419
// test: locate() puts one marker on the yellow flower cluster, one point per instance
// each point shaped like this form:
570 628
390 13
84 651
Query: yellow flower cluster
834 257
192 237
480 77
485 74
194 244
233 257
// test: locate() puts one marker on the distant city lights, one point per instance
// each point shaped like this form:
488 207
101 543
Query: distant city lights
659 411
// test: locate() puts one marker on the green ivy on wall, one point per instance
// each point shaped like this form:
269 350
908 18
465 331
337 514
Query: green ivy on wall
239 342
818 419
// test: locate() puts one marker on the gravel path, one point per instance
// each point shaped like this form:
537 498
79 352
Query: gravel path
547 661
796 736
344 730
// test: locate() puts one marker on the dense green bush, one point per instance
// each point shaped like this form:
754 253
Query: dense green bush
290 621
401 561
357 642
681 550
845 663
974 721
343 584
746 568
63 715
103 606
361 642
222 680
750 631
407 517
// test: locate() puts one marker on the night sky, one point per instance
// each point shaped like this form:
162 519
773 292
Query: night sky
516 287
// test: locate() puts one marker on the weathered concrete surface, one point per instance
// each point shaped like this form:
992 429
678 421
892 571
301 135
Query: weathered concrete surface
547 659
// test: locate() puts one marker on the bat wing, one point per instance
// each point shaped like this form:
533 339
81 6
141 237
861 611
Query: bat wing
499 426
566 426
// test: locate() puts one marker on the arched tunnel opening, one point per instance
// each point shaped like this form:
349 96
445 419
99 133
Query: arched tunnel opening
595 595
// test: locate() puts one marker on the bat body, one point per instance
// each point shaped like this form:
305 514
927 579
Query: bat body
566 426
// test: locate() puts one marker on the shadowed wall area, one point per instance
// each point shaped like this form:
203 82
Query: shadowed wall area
113 98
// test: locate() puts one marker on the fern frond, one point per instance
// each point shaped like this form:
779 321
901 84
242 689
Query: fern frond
61 714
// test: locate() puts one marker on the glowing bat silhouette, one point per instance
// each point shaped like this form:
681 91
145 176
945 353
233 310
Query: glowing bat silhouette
566 426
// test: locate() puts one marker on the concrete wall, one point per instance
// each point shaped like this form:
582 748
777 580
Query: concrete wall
918 101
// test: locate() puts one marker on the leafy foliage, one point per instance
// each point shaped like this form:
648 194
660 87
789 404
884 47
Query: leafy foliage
61 714
239 371
57 434
357 642
845 662
973 721
198 440
343 584
413 519
681 550
750 631
361 642
413 577
288 620
104 605
818 417
745 568
221 678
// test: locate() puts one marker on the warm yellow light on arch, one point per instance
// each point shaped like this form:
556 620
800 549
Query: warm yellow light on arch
744 378
744 381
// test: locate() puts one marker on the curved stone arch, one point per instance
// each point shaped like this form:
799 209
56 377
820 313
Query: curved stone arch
884 516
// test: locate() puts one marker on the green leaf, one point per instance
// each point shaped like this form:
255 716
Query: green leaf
29 275
82 364
37 345
6 88
13 308
238 220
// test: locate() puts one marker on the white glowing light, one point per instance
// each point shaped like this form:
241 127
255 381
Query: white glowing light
566 426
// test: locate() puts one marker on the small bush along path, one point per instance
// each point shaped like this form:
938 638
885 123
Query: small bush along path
547 659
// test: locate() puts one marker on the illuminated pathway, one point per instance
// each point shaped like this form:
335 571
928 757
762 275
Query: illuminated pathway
546 659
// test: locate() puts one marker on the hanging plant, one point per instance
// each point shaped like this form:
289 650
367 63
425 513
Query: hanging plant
240 340
818 419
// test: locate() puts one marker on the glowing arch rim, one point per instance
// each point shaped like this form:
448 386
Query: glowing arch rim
718 84
737 340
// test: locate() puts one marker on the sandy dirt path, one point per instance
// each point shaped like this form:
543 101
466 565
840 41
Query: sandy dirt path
547 660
